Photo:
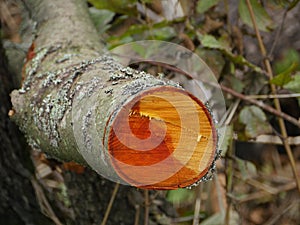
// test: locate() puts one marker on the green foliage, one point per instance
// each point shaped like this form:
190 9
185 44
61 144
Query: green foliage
281 79
180 195
101 18
294 85
163 33
157 31
289 63
117 6
285 67
264 22
204 5
211 42
255 121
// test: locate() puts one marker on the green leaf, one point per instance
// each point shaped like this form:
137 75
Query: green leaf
127 7
204 5
101 18
141 28
180 196
211 42
289 63
281 79
294 84
163 33
263 20
255 121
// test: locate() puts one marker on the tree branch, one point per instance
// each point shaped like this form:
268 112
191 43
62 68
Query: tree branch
77 104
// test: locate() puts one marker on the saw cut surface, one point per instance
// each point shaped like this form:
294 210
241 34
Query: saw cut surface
162 139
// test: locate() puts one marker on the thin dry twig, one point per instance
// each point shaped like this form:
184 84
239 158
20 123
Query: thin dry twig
6 16
111 201
147 204
291 95
196 218
267 64
137 214
182 219
257 184
281 211
229 182
262 105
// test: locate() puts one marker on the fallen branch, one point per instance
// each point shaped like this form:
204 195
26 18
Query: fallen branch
77 104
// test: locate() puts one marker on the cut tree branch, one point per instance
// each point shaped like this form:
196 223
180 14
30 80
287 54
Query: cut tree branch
78 104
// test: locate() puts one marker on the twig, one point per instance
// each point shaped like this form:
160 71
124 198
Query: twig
197 205
249 197
229 173
273 89
281 211
292 95
182 219
111 201
276 140
137 214
147 203
292 5
262 105
267 188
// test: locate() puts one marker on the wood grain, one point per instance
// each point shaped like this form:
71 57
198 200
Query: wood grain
162 139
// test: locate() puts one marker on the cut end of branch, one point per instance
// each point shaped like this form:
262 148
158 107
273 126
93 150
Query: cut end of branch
164 138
